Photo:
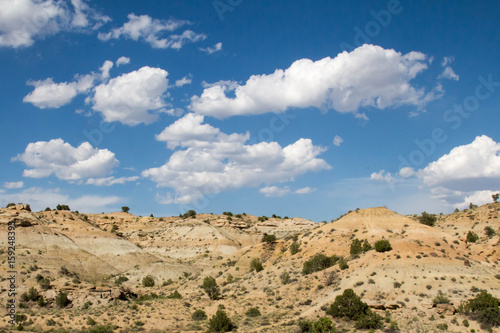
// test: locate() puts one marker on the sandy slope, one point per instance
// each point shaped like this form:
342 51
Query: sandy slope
424 261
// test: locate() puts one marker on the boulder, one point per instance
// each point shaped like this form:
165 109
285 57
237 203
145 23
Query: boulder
447 309
392 306
377 306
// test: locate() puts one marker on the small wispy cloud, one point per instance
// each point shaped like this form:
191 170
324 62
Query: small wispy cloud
213 49
337 140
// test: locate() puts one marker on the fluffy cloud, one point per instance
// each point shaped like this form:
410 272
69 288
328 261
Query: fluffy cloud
449 74
188 131
48 94
106 67
214 161
21 21
469 173
39 198
382 176
122 61
66 162
129 97
147 29
368 76
407 172
477 198
274 191
471 167
213 49
13 185
337 140
185 80
132 98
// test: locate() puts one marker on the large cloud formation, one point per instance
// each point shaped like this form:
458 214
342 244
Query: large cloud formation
129 97
368 76
22 21
133 98
469 173
214 161
59 158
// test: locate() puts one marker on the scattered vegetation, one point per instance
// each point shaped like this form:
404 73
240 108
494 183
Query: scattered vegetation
256 265
489 231
190 214
62 300
125 209
253 312
472 237
62 207
199 315
322 325
148 281
175 295
269 239
285 277
441 299
220 322
318 263
495 197
211 288
294 248
484 308
349 306
356 247
383 245
427 219
366 246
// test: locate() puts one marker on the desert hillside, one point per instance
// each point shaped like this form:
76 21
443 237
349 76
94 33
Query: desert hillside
123 273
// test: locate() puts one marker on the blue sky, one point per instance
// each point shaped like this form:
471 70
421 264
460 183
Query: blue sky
292 108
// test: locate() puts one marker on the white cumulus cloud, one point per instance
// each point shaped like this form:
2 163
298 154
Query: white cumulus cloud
65 161
469 167
477 198
151 31
185 80
130 97
368 76
48 94
188 131
468 173
122 61
13 185
382 176
407 172
106 67
23 21
214 161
